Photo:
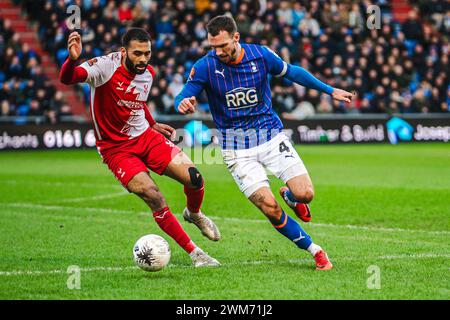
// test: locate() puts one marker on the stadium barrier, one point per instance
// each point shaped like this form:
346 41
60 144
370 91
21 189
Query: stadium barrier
327 129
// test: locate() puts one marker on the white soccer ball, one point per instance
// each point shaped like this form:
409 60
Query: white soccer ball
151 252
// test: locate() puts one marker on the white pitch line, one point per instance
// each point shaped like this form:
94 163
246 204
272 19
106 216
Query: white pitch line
312 224
350 226
415 256
60 219
97 197
132 222
391 257
257 262
63 208
64 184
40 272
357 237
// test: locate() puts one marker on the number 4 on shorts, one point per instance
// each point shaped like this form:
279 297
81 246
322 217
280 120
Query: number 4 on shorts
284 147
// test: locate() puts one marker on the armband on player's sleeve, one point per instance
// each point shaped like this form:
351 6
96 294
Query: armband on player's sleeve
276 66
283 71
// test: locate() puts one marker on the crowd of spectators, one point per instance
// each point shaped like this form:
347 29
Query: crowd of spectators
24 89
398 67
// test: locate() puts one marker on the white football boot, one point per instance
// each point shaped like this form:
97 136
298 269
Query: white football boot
202 259
205 224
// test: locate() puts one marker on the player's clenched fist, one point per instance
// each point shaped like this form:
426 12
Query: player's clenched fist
187 105
74 45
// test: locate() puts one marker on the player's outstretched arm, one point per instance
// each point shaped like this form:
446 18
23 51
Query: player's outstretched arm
70 72
301 76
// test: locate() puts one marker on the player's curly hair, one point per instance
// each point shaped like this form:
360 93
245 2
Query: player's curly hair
221 23
138 34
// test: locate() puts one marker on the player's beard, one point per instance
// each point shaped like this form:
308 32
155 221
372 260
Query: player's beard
233 55
229 57
133 67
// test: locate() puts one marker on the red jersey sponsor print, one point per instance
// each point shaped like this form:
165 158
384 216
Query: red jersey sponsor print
118 99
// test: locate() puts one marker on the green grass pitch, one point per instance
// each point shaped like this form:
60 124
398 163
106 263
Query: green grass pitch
377 207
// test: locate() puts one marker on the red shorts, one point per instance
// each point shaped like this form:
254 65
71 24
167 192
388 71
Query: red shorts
151 150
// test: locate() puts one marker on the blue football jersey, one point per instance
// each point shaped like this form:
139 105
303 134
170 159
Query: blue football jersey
239 95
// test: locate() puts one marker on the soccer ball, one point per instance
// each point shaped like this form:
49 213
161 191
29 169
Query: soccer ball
151 252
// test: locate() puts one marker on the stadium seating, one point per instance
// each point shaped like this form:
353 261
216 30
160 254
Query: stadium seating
401 67
24 72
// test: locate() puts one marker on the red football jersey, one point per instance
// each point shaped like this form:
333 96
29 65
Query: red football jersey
118 99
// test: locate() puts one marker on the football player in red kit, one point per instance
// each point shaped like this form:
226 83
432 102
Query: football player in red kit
130 141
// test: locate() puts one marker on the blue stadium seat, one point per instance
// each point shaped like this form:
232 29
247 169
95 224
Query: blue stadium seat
410 45
86 92
158 43
61 55
369 96
97 52
23 110
413 86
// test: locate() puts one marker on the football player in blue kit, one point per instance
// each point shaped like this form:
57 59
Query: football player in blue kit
235 77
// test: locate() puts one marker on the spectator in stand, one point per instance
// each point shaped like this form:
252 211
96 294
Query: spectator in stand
328 37
125 13
24 90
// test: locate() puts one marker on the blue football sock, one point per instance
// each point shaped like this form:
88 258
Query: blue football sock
292 230
291 196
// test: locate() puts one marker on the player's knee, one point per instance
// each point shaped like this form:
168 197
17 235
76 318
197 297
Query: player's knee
195 177
304 195
271 209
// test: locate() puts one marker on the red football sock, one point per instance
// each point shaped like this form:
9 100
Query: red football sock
194 198
170 225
